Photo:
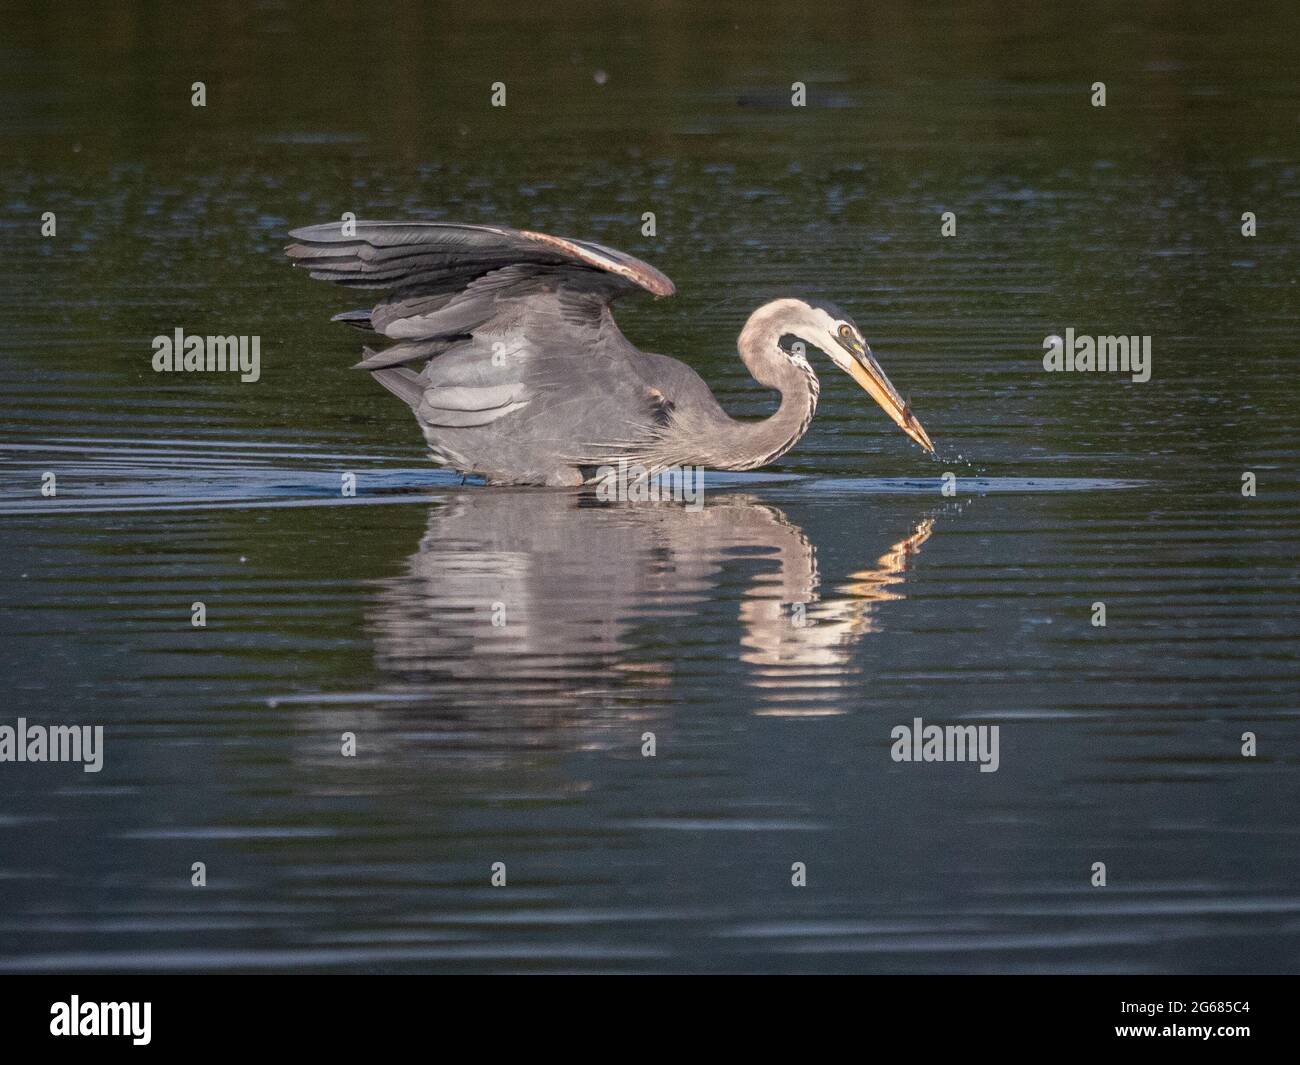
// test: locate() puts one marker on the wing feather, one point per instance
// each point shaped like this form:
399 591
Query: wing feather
402 254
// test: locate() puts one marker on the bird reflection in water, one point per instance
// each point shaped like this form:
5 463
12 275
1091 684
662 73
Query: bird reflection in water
540 600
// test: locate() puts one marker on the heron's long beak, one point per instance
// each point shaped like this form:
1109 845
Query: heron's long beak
863 368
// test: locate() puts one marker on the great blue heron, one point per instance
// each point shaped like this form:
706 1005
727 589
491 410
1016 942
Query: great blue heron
509 356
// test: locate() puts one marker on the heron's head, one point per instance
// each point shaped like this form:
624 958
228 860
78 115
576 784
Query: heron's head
823 325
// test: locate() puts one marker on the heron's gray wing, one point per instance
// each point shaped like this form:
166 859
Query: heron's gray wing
445 279
488 320
416 259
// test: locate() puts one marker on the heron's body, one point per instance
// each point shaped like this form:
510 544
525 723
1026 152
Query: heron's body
507 351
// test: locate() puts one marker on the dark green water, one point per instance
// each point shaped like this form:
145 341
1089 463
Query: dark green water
522 744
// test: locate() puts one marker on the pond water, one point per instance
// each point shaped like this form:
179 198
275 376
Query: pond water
500 655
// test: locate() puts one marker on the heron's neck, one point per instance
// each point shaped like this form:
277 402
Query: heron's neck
756 444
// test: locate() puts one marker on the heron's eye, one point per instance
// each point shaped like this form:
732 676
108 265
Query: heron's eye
846 332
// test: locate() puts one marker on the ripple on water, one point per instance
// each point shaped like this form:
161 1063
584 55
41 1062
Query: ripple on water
122 476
